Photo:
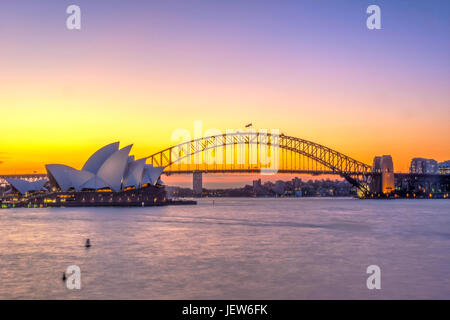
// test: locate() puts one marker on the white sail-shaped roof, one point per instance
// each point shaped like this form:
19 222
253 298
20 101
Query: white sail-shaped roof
134 172
60 174
151 174
67 177
39 184
146 174
20 185
113 169
94 163
94 183
24 186
155 173
108 167
78 178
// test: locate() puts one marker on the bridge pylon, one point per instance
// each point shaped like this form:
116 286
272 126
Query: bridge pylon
197 183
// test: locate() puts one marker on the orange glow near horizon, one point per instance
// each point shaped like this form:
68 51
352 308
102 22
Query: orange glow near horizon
61 125
55 127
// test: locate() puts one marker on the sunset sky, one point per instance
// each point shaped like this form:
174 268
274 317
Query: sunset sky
138 70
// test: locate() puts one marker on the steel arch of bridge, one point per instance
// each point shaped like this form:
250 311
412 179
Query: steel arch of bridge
356 172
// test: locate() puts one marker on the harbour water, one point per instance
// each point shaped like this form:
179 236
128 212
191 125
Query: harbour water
232 249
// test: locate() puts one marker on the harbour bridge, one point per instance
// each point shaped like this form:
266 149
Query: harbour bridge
265 153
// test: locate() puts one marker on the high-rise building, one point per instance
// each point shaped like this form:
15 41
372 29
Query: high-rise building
423 166
385 182
279 187
296 182
257 185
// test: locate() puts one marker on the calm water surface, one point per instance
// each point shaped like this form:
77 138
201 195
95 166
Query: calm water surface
235 249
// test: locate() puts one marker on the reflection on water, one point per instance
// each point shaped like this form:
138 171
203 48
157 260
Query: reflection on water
237 248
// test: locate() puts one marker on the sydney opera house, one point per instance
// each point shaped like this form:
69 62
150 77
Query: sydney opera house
110 177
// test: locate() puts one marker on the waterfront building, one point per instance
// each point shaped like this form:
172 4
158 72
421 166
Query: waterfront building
384 182
107 169
423 166
296 182
280 187
298 193
24 186
109 177
257 185
444 167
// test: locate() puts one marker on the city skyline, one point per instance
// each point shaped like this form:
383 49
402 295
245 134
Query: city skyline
277 65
